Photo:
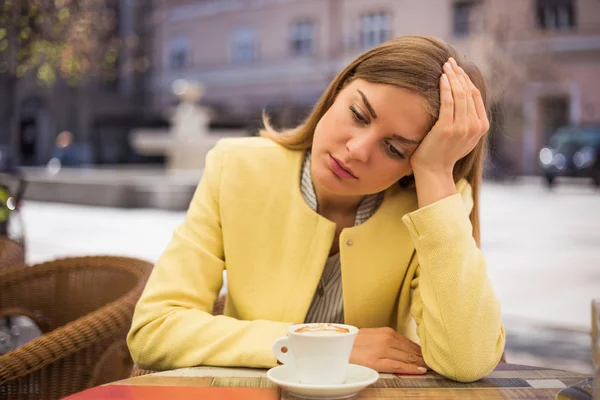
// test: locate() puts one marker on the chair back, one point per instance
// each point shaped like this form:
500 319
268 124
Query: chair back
84 307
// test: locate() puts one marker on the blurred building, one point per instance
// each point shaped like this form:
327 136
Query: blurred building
276 54
541 57
98 113
544 63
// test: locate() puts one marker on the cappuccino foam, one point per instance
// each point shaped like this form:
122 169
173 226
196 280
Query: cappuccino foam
322 330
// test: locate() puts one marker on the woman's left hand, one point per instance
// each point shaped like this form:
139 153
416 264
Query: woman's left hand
461 124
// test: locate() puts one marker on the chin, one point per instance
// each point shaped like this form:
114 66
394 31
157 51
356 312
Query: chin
328 180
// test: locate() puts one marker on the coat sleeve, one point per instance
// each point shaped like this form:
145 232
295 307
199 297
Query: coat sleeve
453 302
172 325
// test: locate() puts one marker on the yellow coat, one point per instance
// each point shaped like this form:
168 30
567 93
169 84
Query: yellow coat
248 216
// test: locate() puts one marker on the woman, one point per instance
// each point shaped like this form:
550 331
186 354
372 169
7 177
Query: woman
366 214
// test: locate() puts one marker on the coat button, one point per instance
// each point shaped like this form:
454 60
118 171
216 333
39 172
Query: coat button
349 243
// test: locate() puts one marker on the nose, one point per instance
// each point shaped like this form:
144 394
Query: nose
359 148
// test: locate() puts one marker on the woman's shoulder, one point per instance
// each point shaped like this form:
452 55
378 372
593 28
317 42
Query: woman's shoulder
254 167
254 151
252 143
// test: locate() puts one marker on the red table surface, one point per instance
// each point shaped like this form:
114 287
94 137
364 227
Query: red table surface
126 392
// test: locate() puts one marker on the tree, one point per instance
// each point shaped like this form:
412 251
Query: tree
51 40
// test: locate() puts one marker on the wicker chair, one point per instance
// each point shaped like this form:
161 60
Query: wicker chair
84 307
11 252
218 309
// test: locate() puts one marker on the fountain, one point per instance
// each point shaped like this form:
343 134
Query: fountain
189 139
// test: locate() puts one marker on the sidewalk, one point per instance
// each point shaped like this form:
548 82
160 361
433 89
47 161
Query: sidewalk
534 344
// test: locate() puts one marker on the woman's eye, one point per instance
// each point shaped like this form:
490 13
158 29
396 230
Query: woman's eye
392 150
356 115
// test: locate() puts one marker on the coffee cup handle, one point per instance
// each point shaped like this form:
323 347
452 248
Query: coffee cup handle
283 351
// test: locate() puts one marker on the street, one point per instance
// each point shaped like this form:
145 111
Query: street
542 248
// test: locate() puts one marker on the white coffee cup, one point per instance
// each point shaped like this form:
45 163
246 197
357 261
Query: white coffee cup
319 353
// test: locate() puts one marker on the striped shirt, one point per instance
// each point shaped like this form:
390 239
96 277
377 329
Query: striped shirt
328 302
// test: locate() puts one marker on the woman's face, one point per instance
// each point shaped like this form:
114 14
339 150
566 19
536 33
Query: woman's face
363 143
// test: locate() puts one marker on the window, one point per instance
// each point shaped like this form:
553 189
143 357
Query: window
302 38
555 15
243 45
376 28
179 53
463 17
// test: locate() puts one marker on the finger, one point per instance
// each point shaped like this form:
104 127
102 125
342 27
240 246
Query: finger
459 96
389 366
460 74
407 358
446 116
463 77
479 105
404 343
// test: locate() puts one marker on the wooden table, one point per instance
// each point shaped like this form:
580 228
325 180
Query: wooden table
508 381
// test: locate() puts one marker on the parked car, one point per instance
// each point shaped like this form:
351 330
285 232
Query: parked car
572 151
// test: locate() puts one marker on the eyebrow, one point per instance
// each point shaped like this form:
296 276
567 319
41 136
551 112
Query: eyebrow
405 140
372 112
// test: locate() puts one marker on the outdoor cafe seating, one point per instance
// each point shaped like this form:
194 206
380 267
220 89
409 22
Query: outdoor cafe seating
83 306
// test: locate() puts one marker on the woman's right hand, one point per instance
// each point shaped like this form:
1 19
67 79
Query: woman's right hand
385 350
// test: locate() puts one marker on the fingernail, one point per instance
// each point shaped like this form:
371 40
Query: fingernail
421 369
445 77
447 66
453 61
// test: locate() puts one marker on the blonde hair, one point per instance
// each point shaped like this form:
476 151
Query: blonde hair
409 62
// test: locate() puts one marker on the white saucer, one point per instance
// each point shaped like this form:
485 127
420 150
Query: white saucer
357 378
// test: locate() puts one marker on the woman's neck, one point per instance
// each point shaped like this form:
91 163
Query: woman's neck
330 205
336 206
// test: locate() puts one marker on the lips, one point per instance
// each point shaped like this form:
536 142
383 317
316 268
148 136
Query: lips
340 169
